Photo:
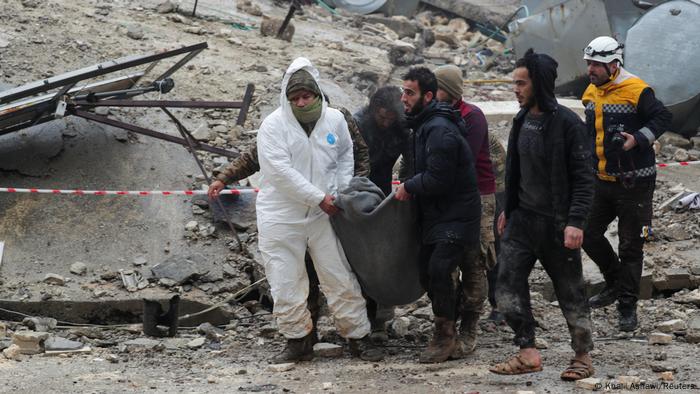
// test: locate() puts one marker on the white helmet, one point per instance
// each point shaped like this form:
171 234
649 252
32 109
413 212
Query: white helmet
604 49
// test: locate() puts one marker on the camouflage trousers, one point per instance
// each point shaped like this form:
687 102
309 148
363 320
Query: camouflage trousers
474 283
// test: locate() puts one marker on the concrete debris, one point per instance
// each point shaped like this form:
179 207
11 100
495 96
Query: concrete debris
166 7
540 343
112 358
674 139
78 268
671 326
425 312
673 279
54 279
180 269
41 324
662 367
329 350
135 32
270 26
404 54
211 332
592 384
141 344
3 330
140 260
400 326
658 338
284 367
133 280
196 343
248 7
87 332
30 342
681 155
327 385
628 381
13 352
32 3
666 376
692 297
54 343
401 25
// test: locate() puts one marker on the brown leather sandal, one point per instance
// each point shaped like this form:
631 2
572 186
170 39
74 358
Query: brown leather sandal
515 366
577 369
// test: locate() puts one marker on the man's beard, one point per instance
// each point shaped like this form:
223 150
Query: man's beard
417 108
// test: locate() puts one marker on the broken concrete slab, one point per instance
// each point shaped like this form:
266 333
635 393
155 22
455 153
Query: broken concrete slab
495 12
329 350
13 352
30 150
677 140
54 343
673 279
139 344
30 342
41 324
240 209
671 326
179 268
399 24
589 384
692 297
196 343
658 338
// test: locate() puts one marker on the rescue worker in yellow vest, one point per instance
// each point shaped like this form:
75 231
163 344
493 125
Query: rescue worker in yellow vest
624 118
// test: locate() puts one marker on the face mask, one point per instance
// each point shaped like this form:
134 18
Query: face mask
310 113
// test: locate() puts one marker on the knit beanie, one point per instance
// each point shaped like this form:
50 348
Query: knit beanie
301 79
449 79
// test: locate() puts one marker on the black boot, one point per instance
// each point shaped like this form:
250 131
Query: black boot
605 297
301 349
628 317
466 339
365 349
443 343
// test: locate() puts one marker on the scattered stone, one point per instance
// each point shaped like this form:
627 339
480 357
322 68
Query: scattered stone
202 203
166 7
140 260
400 326
674 279
327 385
696 142
280 367
541 343
191 225
692 297
112 358
135 32
693 323
268 331
13 352
588 384
102 111
78 268
658 338
661 367
30 342
330 350
197 30
54 343
211 332
681 155
692 337
404 54
178 268
88 332
401 25
666 376
41 324
3 330
196 343
671 326
669 138
661 356
270 26
54 279
425 312
177 18
31 3
677 232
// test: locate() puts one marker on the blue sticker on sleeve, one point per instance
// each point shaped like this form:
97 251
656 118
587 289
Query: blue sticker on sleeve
330 138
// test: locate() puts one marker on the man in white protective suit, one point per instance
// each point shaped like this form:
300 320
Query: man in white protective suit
305 155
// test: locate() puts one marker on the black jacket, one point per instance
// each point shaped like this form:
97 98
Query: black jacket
444 183
569 158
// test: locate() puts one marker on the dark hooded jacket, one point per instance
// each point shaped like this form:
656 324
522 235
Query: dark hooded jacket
385 147
444 183
566 150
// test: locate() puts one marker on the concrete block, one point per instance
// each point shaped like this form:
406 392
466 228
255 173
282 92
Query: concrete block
323 349
672 326
30 342
592 384
673 279
659 338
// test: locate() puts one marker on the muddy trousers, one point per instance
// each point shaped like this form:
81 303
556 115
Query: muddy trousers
493 271
282 247
473 285
530 237
633 208
439 275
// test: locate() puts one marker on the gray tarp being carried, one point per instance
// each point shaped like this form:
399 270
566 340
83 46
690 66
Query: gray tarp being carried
381 241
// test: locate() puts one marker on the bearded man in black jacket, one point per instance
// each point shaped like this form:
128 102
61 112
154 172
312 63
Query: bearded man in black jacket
549 193
448 200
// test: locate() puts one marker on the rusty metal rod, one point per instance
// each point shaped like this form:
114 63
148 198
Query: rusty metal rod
161 103
247 99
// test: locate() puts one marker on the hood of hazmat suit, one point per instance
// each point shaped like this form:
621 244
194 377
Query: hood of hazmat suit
299 170
382 242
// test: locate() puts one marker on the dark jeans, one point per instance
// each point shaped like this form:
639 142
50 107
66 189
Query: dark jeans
439 274
633 208
492 273
530 237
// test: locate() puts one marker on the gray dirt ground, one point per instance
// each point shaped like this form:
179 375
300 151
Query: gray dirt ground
43 234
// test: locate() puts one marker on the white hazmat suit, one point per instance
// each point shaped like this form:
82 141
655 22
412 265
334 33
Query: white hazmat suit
297 172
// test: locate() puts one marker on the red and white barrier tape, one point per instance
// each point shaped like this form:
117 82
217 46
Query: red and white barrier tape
80 192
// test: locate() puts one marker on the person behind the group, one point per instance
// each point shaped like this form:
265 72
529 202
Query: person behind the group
445 187
625 119
473 279
549 191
